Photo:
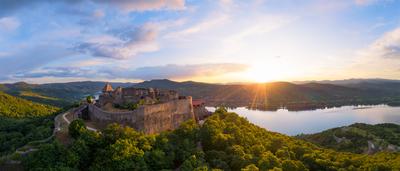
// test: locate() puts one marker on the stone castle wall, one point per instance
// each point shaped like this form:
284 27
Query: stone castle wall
167 116
148 118
133 119
201 113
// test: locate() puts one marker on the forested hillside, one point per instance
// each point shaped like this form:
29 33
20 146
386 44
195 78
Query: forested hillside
225 141
56 94
359 138
14 107
22 121
271 96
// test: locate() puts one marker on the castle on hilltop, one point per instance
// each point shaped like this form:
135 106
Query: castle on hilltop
129 95
155 110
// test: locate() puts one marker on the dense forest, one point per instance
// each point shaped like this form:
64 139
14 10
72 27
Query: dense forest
224 142
15 133
359 138
22 121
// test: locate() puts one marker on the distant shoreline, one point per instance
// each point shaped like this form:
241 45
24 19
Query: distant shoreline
355 107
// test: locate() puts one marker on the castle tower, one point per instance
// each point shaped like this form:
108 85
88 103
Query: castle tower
107 88
118 90
117 94
152 93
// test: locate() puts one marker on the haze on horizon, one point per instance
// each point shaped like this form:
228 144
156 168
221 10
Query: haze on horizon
209 41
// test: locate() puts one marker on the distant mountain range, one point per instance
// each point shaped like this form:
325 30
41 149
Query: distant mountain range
350 81
268 96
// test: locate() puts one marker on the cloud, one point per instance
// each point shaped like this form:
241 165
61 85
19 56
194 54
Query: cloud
98 13
211 22
9 23
56 72
170 71
325 6
123 44
26 59
173 71
380 59
4 54
9 6
364 2
145 5
388 46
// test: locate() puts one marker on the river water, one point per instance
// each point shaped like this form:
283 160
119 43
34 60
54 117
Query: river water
313 121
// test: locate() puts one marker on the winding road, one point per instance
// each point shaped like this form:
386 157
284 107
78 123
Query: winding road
61 124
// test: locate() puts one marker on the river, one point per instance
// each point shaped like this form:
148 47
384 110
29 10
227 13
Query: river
313 121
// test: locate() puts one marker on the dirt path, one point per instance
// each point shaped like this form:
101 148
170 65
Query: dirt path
59 125
60 131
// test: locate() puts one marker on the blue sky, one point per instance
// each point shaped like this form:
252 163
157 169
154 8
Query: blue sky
210 41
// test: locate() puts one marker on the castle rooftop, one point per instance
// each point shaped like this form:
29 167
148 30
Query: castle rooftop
107 88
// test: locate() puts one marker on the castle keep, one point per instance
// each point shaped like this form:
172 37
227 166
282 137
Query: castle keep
131 95
155 110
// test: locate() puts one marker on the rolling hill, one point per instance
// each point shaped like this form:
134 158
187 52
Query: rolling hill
271 96
359 138
56 94
267 96
14 107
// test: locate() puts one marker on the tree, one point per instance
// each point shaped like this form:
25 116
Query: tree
157 160
268 161
76 128
250 167
193 163
90 99
228 142
292 165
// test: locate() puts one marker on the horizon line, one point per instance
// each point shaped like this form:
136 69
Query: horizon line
227 83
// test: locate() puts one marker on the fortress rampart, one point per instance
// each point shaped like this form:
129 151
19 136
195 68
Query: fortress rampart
147 118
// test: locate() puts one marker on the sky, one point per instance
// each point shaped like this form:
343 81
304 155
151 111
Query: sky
217 41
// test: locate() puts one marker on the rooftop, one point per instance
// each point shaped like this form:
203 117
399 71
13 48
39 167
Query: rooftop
107 88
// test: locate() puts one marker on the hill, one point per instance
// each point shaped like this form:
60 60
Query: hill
23 121
56 94
271 96
359 138
265 96
225 142
350 81
14 107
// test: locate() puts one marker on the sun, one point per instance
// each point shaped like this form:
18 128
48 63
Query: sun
260 74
